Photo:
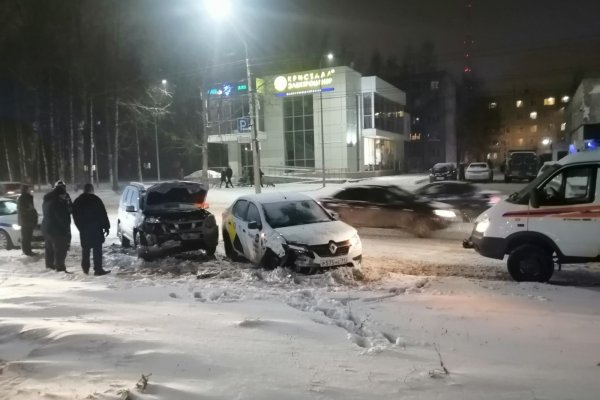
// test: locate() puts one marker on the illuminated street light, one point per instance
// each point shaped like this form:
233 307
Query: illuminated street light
164 82
221 10
329 58
546 141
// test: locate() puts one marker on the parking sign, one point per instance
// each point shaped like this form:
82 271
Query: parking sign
243 124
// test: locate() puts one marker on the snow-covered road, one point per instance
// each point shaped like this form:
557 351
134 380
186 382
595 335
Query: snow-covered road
221 330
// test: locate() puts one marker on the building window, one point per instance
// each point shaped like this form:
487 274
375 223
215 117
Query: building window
565 99
520 141
367 110
519 103
388 115
435 85
533 115
299 136
492 105
533 129
549 101
563 126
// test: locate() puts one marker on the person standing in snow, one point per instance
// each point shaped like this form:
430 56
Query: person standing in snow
229 175
28 219
92 221
56 226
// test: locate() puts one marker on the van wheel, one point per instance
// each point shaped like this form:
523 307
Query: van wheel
124 241
421 228
5 242
210 251
530 263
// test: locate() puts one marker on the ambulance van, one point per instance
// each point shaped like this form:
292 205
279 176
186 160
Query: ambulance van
554 220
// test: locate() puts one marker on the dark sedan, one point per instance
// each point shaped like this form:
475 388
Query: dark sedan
465 197
443 172
388 206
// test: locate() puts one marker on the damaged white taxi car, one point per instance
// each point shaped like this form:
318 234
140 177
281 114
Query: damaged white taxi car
288 229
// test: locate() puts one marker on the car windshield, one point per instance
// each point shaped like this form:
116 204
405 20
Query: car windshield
175 197
442 167
293 213
522 158
522 196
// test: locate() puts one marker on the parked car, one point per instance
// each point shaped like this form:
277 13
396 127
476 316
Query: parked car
279 229
10 190
553 220
468 199
479 171
521 165
10 231
166 218
388 206
443 172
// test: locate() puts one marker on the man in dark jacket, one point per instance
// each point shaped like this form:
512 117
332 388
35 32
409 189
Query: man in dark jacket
229 175
91 219
223 178
56 227
28 218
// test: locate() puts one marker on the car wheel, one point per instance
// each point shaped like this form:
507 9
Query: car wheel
5 242
531 263
229 250
270 260
421 228
124 241
210 251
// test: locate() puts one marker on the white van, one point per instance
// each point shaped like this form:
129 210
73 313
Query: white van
556 218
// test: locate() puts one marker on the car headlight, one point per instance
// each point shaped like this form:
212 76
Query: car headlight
482 226
297 249
16 227
445 213
152 220
355 240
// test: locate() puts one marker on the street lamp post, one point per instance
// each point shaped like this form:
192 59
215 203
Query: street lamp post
164 84
220 9
329 58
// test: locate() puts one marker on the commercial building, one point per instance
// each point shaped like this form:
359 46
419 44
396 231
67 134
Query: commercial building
583 116
362 119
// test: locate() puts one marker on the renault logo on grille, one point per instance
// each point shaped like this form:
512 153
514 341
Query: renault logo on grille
332 247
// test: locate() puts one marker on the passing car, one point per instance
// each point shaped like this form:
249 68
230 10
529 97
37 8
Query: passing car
468 199
388 206
443 172
166 218
10 190
479 171
292 230
10 230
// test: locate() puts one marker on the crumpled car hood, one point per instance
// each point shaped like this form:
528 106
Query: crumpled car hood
319 233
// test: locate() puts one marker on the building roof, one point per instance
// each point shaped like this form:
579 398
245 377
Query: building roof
265 198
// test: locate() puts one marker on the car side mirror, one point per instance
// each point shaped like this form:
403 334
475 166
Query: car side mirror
129 209
254 225
534 198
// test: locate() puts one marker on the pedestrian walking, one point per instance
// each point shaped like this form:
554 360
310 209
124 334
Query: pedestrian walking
56 226
92 221
229 175
28 219
223 178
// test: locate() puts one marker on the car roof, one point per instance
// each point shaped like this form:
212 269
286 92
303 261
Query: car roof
275 197
6 199
583 156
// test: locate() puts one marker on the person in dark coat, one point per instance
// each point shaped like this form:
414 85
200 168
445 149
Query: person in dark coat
223 178
229 175
91 219
56 227
28 219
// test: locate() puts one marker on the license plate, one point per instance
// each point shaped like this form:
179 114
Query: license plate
190 236
334 261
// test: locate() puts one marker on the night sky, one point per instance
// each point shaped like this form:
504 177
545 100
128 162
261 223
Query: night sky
518 43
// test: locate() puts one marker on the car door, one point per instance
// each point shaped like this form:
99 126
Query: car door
351 206
251 233
569 212
237 226
383 210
